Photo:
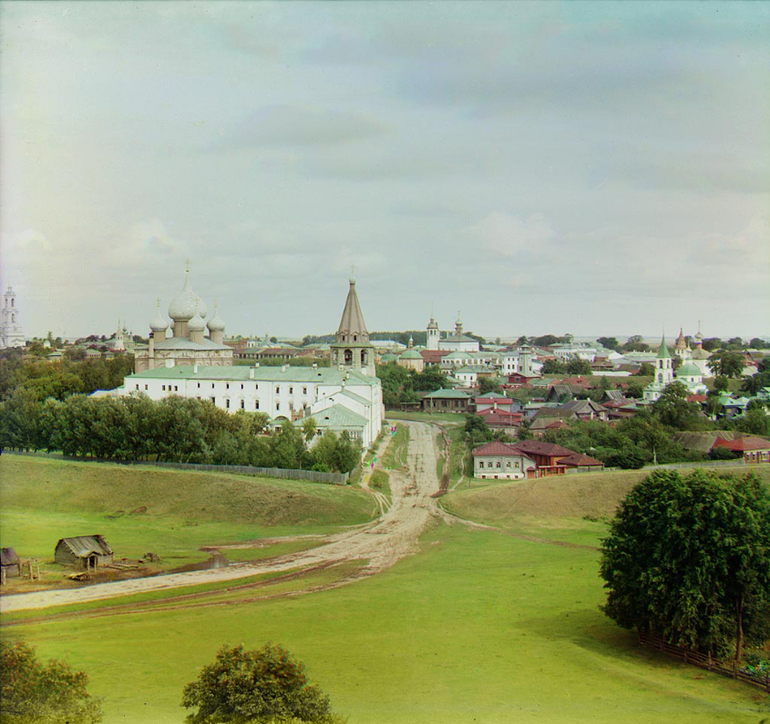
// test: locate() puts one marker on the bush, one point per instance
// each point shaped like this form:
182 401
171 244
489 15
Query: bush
34 692
265 686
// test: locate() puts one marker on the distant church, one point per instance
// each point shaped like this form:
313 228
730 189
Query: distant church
187 343
456 342
11 334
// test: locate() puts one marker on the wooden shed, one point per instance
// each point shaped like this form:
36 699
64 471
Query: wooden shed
11 566
84 551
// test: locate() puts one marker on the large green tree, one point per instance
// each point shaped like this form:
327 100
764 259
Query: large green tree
673 409
32 692
264 686
689 558
726 363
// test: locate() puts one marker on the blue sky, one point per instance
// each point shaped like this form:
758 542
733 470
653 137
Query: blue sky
593 168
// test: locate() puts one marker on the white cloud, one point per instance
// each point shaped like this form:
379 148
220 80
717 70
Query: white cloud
509 235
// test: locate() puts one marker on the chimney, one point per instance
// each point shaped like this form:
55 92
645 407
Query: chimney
283 368
195 368
251 373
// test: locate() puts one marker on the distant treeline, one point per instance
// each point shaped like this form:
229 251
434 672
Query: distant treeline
174 429
61 379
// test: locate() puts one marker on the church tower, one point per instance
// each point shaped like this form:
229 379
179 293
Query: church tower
433 334
11 334
664 365
352 349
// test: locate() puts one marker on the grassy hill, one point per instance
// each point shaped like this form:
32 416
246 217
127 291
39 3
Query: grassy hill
567 507
170 512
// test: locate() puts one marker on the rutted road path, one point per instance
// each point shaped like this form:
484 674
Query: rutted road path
382 543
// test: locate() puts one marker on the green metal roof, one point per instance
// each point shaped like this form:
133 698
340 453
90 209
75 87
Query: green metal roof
339 416
410 354
240 373
689 370
453 394
663 350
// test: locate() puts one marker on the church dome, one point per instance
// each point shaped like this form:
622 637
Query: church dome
196 324
159 324
215 323
183 308
688 370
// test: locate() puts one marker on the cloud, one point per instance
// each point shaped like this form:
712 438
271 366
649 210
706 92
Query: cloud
509 235
291 126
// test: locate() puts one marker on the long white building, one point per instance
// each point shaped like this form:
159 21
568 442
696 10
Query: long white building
347 396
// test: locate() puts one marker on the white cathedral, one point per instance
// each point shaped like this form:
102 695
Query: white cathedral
11 334
455 342
344 397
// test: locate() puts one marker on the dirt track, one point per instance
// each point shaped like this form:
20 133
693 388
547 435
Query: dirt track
382 543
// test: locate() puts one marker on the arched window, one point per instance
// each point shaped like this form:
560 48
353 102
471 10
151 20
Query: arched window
348 357
363 357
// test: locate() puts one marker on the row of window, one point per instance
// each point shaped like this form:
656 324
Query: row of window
497 464
256 387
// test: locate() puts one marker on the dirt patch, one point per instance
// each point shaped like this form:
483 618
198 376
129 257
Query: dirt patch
381 544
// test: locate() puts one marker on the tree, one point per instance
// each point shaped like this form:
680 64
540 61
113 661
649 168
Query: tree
721 384
31 691
726 363
348 453
608 342
646 369
752 385
430 379
477 429
264 686
689 558
577 366
553 367
673 409
635 343
490 384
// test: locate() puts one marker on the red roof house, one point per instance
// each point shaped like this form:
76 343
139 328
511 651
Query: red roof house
754 449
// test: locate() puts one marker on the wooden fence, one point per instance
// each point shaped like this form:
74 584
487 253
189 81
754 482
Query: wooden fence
704 661
284 473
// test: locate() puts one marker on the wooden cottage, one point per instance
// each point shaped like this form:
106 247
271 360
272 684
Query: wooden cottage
85 551
11 566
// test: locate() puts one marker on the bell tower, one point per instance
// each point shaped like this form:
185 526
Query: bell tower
11 334
352 349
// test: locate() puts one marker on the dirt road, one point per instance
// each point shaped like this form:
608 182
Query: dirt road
382 543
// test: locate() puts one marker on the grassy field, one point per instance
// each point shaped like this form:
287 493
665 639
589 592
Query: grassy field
42 500
572 508
479 626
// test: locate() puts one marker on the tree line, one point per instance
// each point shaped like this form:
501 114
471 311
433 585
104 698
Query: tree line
175 429
61 379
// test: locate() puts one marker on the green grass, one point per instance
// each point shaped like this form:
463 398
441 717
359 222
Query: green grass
44 500
478 627
435 417
380 480
395 454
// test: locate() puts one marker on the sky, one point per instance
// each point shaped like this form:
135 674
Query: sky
539 167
